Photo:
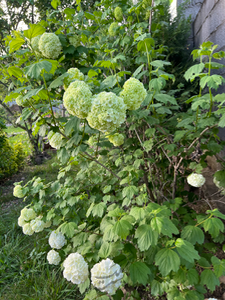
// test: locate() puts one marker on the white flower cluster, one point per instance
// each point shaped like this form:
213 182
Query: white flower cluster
107 113
55 139
18 191
34 44
56 240
116 139
196 180
106 276
37 224
133 93
76 269
53 257
113 28
49 45
118 13
30 223
77 99
75 40
74 74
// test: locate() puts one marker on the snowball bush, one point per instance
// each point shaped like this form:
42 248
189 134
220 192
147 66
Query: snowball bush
75 40
76 269
53 257
57 240
113 28
106 276
133 93
196 180
21 221
116 139
118 13
37 224
74 74
34 44
18 191
49 45
77 99
107 113
55 139
27 229
28 214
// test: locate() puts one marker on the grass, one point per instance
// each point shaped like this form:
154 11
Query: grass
24 271
26 274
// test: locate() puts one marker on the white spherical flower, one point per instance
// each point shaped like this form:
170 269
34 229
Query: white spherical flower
74 74
107 113
34 44
53 257
28 214
77 99
18 191
55 139
37 225
76 269
49 45
116 139
27 229
196 180
75 40
57 240
106 276
133 93
21 221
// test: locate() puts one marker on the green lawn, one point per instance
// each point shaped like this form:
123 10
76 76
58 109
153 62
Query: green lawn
24 270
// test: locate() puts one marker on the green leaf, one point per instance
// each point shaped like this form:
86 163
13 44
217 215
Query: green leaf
89 16
179 134
213 226
160 63
167 260
35 30
55 3
91 295
219 266
164 225
138 70
139 272
209 279
165 99
216 213
58 81
156 288
15 71
192 276
105 250
146 237
130 191
138 213
186 250
68 228
36 69
117 212
194 70
157 84
106 189
122 228
72 125
213 81
148 145
84 286
98 209
220 176
193 234
15 44
110 81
